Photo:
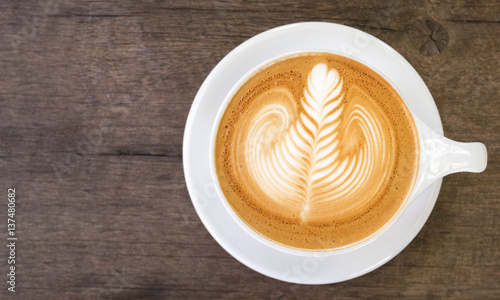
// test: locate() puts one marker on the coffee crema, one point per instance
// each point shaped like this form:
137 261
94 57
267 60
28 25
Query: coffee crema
316 151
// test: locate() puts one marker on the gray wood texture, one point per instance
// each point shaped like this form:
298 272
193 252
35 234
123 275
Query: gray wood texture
94 98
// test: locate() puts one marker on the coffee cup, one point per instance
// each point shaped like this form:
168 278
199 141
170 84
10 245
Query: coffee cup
433 156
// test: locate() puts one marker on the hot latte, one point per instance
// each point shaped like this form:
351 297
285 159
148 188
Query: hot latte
316 151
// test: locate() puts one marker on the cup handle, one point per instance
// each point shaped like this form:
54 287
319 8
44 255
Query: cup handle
440 156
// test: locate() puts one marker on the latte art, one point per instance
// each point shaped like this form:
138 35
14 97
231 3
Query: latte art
301 162
316 151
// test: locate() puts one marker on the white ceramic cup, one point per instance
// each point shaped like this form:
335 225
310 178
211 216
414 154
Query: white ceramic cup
438 157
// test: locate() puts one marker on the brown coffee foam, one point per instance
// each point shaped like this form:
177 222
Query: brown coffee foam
323 227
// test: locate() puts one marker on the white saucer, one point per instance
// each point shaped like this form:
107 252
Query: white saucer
252 253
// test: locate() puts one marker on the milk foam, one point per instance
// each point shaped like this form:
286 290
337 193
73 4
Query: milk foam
316 152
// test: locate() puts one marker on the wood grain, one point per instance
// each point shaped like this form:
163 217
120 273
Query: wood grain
93 101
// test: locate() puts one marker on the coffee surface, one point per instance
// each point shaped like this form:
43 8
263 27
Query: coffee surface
316 151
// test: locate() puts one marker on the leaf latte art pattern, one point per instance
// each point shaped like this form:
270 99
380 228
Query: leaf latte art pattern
324 158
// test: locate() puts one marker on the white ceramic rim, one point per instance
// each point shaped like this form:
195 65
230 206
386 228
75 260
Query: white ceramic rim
246 227
428 112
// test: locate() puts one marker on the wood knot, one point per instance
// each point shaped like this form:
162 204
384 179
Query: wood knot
428 36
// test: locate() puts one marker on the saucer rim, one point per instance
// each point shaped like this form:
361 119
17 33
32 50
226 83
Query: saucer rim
431 199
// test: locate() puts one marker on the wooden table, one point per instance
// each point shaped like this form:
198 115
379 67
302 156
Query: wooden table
94 97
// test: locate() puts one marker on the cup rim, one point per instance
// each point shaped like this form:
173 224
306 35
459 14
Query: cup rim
267 241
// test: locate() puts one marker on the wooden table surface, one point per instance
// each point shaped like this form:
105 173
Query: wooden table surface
94 98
